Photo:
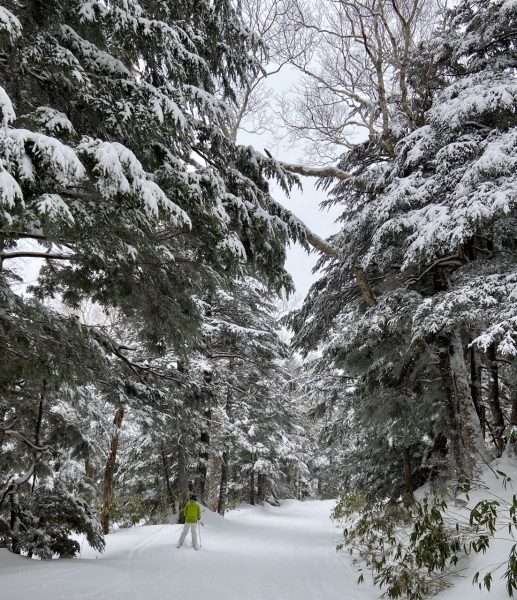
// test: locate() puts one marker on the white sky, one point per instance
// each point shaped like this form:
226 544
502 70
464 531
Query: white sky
304 203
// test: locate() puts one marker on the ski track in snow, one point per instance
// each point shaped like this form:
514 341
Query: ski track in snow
284 553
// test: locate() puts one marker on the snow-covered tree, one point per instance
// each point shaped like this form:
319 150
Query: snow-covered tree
114 162
426 259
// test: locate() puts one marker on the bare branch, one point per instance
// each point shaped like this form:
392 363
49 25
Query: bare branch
21 437
44 255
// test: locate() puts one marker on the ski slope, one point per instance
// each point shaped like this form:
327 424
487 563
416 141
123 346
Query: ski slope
257 553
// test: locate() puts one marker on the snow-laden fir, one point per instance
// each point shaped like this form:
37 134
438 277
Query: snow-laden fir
147 360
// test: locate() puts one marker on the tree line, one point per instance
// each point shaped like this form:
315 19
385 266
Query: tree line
145 361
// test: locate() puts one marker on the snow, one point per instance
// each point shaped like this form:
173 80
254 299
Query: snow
257 553
6 107
54 207
9 24
495 558
10 191
60 159
53 120
119 171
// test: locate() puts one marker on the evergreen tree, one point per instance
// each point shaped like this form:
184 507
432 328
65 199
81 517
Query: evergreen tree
114 160
426 251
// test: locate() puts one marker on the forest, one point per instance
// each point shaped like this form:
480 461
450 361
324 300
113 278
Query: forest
156 353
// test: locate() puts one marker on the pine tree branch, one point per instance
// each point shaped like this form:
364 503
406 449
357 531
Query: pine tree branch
43 255
138 368
320 244
14 484
21 437
322 172
365 287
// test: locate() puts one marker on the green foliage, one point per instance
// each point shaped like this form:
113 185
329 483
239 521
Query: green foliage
412 549
116 166
54 514
405 563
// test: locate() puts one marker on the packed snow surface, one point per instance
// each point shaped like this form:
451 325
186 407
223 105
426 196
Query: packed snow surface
257 553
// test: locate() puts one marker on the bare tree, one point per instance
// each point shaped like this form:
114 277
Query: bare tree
353 56
265 18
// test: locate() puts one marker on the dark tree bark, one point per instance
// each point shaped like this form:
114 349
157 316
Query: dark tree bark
408 476
320 487
513 417
89 469
297 484
464 431
109 471
182 482
204 456
15 522
225 462
37 433
475 388
223 487
452 409
494 400
252 483
261 487
3 412
438 455
512 442
168 484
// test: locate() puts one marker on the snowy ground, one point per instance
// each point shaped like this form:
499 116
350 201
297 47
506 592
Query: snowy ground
285 553
489 487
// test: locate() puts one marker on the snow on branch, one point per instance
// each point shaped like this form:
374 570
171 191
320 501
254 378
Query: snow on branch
9 24
119 171
6 106
21 437
323 172
45 255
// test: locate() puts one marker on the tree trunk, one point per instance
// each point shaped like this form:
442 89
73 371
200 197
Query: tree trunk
3 412
364 286
408 477
297 486
494 400
465 438
223 487
213 481
15 522
204 456
512 440
89 469
475 389
182 483
170 493
513 417
261 487
37 433
452 410
438 456
252 485
225 462
109 471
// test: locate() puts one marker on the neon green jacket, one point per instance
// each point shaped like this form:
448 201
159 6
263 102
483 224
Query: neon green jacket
192 512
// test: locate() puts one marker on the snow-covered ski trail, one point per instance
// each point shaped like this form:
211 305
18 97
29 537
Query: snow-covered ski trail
284 553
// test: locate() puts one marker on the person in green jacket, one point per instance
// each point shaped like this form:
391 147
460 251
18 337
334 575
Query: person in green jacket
192 512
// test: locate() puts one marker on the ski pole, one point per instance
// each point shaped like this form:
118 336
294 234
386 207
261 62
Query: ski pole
199 528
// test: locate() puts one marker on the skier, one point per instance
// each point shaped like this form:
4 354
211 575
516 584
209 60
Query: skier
192 512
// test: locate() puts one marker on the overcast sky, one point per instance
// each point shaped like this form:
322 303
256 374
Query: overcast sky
304 203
